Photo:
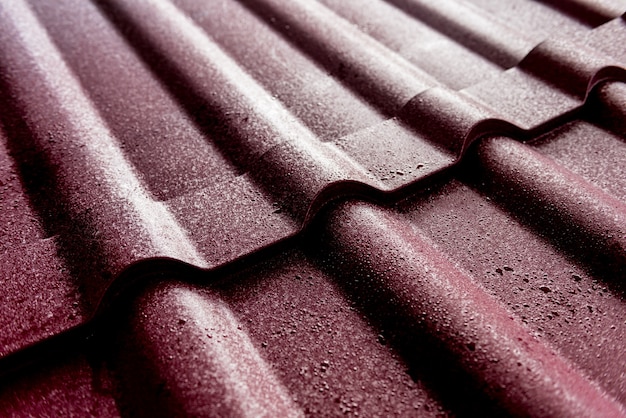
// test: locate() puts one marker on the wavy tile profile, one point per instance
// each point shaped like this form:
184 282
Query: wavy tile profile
266 208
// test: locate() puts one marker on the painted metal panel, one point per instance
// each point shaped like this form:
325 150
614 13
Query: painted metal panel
267 208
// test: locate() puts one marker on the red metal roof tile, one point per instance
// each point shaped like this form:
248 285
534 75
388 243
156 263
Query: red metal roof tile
319 208
445 303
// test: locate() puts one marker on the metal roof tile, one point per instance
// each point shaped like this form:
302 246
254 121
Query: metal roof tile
374 236
436 298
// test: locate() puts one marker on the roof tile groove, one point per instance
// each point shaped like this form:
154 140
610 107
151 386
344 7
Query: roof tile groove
142 141
37 303
37 393
537 20
398 167
324 350
20 224
571 145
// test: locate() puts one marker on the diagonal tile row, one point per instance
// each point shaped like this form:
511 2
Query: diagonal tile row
458 299
183 144
259 158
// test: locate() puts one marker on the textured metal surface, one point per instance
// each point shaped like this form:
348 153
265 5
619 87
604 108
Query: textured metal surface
268 208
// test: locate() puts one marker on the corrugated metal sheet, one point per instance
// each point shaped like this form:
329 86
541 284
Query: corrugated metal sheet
273 208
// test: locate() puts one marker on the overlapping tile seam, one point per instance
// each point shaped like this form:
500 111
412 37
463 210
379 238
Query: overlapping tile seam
405 267
563 72
410 271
